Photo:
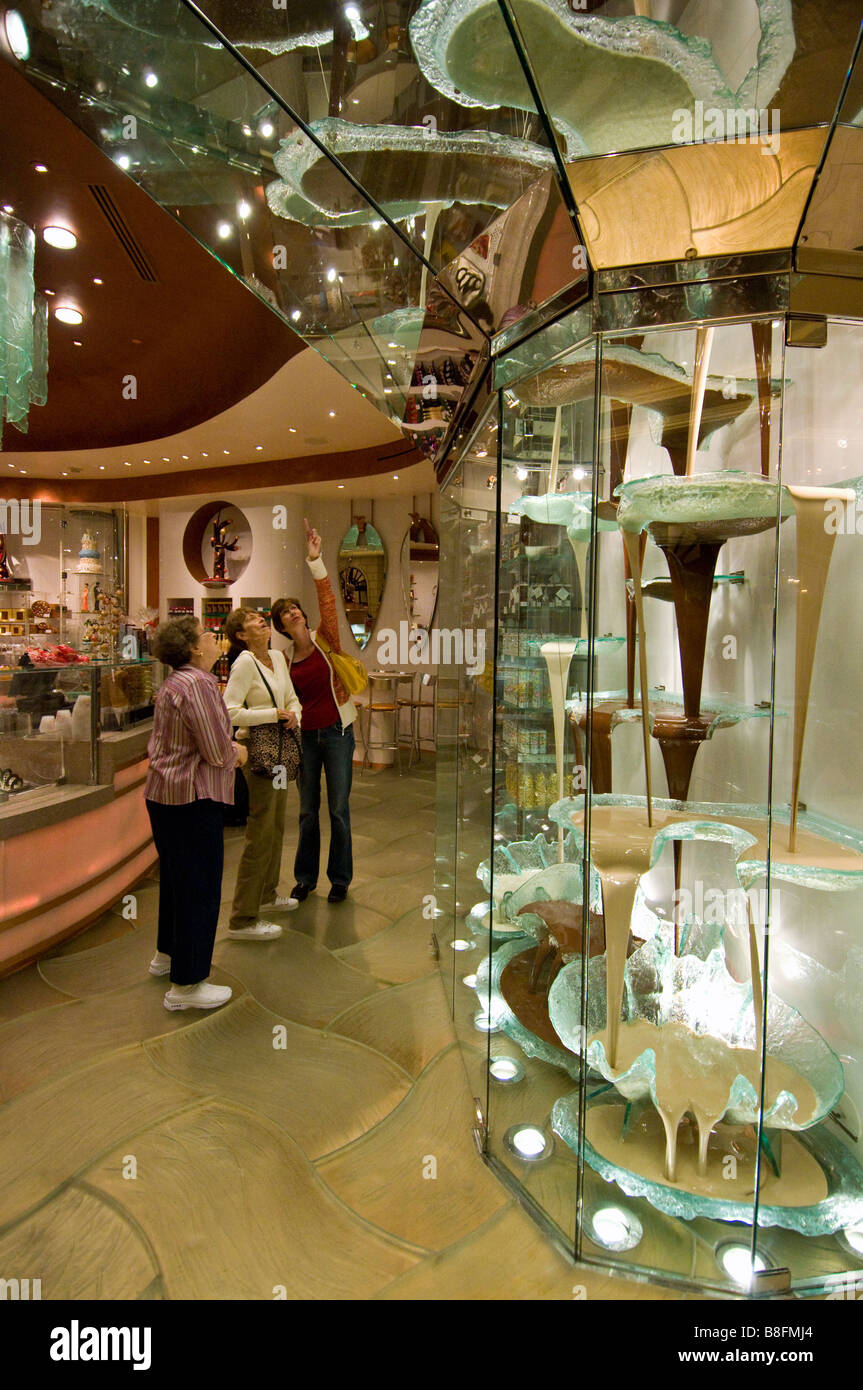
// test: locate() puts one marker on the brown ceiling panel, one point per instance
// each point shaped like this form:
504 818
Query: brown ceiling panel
167 313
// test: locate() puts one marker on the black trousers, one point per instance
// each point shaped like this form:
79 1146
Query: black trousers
191 852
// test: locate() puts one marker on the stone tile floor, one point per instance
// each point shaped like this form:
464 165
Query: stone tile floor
278 1145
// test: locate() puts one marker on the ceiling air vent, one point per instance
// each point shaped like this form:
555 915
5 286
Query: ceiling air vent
123 233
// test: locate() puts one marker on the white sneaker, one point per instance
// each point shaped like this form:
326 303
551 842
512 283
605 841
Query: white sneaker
160 964
261 931
202 996
281 905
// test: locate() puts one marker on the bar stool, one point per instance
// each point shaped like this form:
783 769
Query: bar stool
410 703
382 700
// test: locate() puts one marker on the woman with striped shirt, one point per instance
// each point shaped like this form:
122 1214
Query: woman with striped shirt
190 778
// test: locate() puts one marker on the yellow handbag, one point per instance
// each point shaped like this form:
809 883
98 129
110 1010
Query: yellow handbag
349 669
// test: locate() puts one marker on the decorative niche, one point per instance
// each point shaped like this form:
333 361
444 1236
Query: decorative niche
228 526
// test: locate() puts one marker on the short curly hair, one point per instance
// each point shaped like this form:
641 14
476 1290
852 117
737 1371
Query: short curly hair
173 641
278 609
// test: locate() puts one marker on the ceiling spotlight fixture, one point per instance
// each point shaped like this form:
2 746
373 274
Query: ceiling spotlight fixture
146 461
332 273
16 35
77 343
395 477
258 448
101 468
205 456
61 237
165 460
521 474
332 414
41 168
395 260
244 209
247 130
341 485
66 314
126 465
64 475
267 129
295 314
226 451
376 225
7 207
291 429
224 229
123 161
97 281
150 79
185 456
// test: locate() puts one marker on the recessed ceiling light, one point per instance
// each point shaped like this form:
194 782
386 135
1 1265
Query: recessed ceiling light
51 292
185 456
266 128
395 260
126 465
123 161
101 468
22 470
332 414
226 451
7 207
151 79
291 429
332 274
97 281
165 459
16 35
295 314
224 229
247 130
41 168
258 448
146 460
376 225
66 314
341 485
395 477
64 475
355 101
61 237
205 456
244 209
77 342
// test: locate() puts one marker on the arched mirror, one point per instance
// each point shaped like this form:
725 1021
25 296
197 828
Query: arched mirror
419 570
362 574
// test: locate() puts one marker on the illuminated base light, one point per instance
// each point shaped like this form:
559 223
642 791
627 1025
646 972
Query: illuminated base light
613 1228
506 1069
461 945
854 1236
16 35
469 980
527 1141
736 1261
484 1023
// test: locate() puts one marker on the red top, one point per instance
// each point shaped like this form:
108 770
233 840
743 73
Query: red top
311 678
191 750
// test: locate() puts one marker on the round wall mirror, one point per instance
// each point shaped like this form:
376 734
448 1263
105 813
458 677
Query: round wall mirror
362 574
419 570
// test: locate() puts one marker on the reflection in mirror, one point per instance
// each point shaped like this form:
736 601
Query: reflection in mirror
362 574
419 569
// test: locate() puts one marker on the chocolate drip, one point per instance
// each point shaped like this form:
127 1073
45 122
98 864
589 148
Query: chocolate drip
692 568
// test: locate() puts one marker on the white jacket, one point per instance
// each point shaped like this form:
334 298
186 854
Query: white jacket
247 697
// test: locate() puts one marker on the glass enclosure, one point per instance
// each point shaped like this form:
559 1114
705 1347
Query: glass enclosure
673 510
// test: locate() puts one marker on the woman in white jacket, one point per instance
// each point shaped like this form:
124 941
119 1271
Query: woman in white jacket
259 691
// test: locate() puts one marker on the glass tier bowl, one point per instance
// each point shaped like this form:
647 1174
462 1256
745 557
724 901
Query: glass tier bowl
684 1059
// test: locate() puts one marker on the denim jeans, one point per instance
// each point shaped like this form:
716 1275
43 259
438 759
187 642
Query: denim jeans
330 750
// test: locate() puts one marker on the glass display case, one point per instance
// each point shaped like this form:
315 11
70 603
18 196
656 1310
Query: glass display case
657 532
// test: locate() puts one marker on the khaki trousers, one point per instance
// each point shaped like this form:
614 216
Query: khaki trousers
261 864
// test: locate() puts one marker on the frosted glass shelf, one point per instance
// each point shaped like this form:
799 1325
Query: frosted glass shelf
465 52
828 851
503 1017
706 498
460 162
842 1207
574 510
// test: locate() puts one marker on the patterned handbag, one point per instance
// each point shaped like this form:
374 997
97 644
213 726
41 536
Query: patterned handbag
272 746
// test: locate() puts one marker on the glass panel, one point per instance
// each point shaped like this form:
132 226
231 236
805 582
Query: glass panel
464 699
815 944
534 875
374 87
832 234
